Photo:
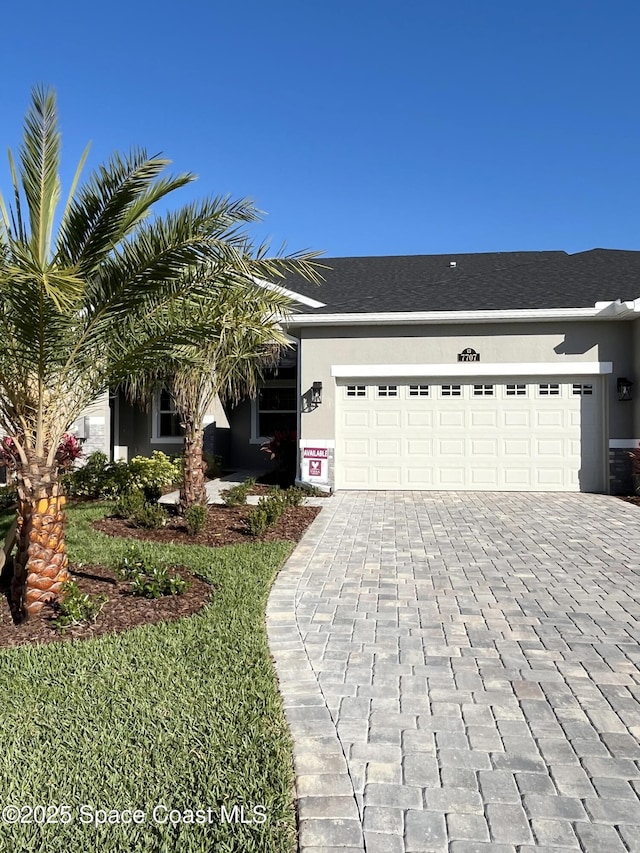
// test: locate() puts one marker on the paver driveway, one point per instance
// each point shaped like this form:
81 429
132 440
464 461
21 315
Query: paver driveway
460 673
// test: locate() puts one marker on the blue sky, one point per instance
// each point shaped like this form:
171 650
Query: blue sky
360 128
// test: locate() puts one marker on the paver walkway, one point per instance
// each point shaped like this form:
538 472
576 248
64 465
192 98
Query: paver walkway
460 673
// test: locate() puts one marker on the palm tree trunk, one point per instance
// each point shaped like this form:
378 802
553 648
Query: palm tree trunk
192 490
40 564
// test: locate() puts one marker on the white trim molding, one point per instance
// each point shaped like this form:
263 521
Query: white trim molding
327 443
474 368
601 311
297 297
624 443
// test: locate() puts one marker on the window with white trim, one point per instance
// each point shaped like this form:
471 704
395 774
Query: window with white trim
418 390
516 390
579 390
483 390
356 391
451 391
549 389
387 391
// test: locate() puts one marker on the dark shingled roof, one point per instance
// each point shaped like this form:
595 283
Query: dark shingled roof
488 281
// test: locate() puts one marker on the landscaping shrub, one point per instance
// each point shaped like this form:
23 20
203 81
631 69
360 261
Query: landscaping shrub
99 478
155 472
149 517
258 520
77 608
196 518
292 496
148 578
129 504
157 582
271 508
237 495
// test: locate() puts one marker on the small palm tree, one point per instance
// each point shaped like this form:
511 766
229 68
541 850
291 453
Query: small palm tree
88 294
247 339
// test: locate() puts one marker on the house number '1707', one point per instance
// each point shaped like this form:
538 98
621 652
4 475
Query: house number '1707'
468 354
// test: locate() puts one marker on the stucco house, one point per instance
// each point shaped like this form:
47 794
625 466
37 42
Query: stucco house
504 371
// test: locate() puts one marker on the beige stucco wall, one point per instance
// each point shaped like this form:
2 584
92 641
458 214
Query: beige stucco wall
560 342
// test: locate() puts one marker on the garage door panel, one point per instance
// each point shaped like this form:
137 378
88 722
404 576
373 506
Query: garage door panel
508 441
356 419
386 447
387 419
419 477
450 447
483 477
356 477
387 477
483 447
452 478
516 447
419 447
484 419
553 418
422 418
549 476
353 447
451 418
545 447
517 477
513 418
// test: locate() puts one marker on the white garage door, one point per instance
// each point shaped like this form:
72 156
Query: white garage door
539 434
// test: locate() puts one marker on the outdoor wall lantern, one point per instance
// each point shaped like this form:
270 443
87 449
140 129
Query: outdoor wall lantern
624 389
316 393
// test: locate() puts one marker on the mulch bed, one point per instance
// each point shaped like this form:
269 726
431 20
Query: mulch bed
630 499
226 525
121 612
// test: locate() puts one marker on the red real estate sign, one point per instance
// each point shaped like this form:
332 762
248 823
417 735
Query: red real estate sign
314 458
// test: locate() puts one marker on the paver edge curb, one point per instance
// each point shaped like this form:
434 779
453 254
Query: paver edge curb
298 682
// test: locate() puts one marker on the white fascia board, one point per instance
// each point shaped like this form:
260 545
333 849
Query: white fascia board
473 368
419 317
297 297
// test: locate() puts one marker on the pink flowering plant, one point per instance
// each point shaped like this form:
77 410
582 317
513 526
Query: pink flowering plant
69 450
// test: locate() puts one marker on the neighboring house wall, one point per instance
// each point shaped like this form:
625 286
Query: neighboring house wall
562 342
94 426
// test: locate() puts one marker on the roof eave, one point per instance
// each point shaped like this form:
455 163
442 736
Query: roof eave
600 311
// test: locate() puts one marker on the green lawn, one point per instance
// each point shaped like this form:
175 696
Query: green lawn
184 715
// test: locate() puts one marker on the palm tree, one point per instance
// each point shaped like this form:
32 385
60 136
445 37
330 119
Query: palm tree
248 338
88 294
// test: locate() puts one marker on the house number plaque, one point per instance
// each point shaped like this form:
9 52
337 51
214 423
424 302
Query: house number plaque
468 354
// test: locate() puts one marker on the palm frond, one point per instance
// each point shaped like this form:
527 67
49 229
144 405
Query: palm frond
40 168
